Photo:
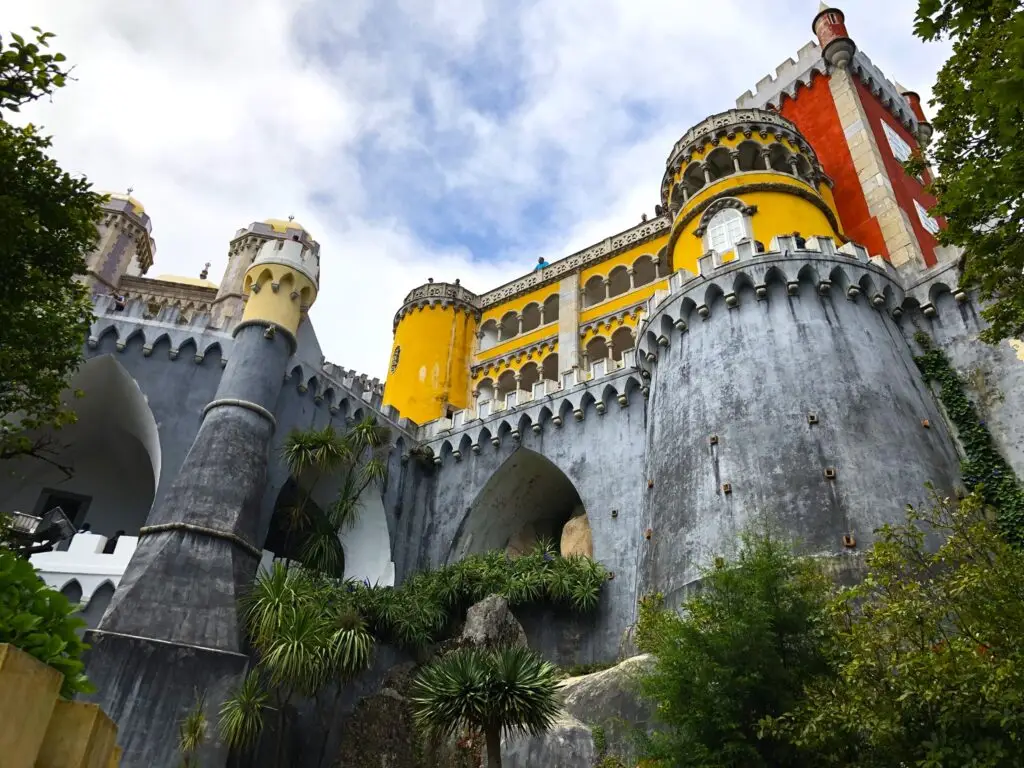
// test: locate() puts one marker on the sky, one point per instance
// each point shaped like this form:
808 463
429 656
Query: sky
414 139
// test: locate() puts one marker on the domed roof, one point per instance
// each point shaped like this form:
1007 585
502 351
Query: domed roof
283 225
183 280
137 207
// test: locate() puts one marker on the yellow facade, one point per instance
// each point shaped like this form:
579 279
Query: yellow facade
38 729
779 212
492 369
430 360
282 304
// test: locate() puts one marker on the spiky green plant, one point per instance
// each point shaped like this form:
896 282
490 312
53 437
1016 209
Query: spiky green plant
358 458
241 716
192 732
512 690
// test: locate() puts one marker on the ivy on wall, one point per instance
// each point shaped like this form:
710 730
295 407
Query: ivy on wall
983 467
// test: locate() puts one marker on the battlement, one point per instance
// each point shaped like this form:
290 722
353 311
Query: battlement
789 75
604 389
772 90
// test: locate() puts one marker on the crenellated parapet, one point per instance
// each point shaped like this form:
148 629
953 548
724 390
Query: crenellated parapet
444 295
560 411
829 271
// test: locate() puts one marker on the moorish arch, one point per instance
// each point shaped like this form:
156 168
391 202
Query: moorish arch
111 453
366 542
527 499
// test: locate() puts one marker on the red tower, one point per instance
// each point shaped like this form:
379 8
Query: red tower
863 128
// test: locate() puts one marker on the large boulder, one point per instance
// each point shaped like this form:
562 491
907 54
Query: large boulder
490 624
609 702
569 744
576 537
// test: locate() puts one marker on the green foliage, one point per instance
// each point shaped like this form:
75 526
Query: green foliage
511 690
418 612
929 651
358 456
983 467
39 621
743 649
600 739
578 670
192 732
28 71
305 634
979 151
47 224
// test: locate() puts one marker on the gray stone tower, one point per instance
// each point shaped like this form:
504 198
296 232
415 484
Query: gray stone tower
173 625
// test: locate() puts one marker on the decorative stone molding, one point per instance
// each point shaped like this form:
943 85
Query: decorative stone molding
439 294
722 204
504 362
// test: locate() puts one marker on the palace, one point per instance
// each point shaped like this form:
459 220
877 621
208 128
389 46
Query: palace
745 349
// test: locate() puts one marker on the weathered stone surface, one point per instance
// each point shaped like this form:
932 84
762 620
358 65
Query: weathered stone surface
523 542
610 700
490 624
576 538
569 744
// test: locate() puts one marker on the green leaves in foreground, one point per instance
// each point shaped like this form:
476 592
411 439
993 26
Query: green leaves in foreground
39 621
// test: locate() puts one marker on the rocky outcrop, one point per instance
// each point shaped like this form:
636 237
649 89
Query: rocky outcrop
523 542
490 624
610 701
569 744
576 537
601 714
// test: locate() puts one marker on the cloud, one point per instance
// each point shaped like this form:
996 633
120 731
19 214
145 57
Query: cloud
415 139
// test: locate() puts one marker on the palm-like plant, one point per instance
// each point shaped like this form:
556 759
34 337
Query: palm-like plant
192 732
358 457
511 690
305 634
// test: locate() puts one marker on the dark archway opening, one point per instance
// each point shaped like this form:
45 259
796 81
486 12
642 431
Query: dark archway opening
527 499
293 511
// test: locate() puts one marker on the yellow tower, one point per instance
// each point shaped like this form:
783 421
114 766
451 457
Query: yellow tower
281 284
428 372
745 173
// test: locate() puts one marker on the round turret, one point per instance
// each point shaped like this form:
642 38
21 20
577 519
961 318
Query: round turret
743 174
924 128
281 285
428 372
781 388
836 46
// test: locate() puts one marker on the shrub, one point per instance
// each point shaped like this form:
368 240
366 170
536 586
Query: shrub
39 621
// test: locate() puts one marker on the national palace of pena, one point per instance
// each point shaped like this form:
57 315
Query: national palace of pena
745 349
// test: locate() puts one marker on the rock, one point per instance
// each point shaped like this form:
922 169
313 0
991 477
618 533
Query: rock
380 733
610 700
576 538
569 744
490 624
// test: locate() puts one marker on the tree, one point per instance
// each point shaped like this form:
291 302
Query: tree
511 690
47 225
40 621
929 650
358 457
979 152
742 649
305 635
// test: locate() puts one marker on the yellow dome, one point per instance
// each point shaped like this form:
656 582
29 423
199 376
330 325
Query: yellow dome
283 225
137 207
182 280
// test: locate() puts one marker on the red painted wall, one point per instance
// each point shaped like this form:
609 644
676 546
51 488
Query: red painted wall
906 187
815 114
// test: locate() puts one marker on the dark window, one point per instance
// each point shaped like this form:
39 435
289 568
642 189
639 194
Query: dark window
74 505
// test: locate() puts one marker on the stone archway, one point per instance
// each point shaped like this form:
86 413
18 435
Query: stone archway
527 499
366 542
112 454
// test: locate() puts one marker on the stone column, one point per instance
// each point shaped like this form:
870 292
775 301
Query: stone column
568 322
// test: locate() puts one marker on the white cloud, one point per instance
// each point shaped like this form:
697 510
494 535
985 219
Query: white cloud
396 130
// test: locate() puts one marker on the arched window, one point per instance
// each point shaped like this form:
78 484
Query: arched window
725 230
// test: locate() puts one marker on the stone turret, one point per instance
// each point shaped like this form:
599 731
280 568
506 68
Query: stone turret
836 46
125 245
199 549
